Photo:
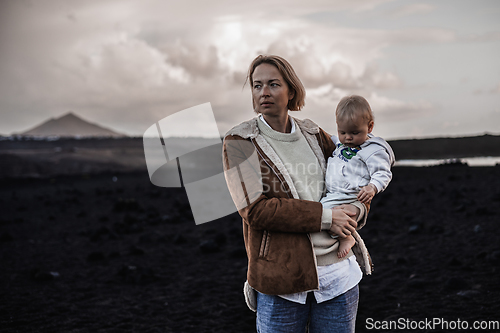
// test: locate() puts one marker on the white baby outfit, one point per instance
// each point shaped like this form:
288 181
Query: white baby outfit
349 169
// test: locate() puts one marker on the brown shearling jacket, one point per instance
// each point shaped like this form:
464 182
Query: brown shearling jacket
276 224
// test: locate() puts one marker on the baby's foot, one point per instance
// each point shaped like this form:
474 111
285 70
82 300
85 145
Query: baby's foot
345 245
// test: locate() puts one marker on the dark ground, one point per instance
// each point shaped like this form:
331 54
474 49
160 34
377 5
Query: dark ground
86 254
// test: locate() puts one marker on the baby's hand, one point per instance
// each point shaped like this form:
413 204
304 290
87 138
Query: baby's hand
367 193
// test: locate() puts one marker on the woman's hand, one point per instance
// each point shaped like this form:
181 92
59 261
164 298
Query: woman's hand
350 208
343 224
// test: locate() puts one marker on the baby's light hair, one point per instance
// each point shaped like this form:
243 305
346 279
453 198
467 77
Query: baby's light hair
352 107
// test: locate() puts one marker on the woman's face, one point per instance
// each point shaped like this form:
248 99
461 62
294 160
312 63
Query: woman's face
270 91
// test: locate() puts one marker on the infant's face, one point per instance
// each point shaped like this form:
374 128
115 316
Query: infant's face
353 133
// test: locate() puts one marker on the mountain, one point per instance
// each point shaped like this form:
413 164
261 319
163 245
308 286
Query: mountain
70 125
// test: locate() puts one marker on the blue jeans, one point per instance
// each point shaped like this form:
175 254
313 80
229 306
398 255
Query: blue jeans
276 314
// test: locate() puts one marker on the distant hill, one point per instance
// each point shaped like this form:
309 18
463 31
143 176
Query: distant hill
439 148
70 125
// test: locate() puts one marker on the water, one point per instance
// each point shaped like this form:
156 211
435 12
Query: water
471 161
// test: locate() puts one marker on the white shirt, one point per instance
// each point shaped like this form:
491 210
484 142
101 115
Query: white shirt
334 280
265 122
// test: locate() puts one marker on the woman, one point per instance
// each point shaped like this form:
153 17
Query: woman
292 262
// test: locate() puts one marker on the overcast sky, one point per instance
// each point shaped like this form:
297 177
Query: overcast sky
427 68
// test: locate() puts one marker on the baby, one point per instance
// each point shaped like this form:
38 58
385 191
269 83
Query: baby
360 166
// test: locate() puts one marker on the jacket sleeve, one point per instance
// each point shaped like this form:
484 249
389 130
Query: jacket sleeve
261 201
363 213
379 167
327 143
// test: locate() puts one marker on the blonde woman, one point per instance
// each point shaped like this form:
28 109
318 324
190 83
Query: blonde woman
295 278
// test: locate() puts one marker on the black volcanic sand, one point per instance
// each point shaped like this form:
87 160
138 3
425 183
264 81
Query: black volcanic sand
86 254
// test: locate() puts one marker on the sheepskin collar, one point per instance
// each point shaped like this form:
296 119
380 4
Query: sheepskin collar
249 130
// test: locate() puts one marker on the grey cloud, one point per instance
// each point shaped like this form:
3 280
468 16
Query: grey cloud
372 77
382 106
419 35
198 61
490 36
389 113
494 90
127 63
411 9
395 110
339 74
239 77
312 8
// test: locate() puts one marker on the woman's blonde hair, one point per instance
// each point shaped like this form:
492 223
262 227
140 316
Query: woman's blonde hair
286 70
352 107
